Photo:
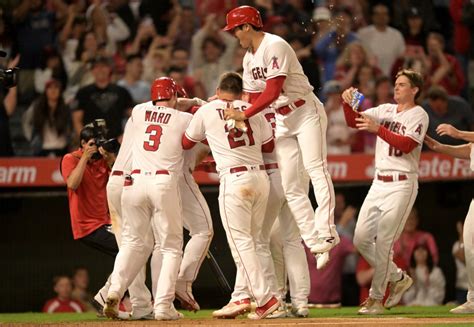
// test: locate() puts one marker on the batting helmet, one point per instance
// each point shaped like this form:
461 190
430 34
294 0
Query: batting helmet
163 88
243 15
181 91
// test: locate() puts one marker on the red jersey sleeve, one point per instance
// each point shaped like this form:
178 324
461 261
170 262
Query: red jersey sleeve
271 93
68 164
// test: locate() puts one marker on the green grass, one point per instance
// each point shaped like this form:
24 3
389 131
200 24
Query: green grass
345 312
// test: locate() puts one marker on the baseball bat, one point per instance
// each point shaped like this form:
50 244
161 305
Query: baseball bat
221 279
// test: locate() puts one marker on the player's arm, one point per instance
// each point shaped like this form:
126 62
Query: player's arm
449 130
73 175
349 114
194 133
400 142
272 91
458 151
267 134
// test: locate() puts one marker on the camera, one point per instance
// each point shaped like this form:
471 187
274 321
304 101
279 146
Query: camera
8 77
99 128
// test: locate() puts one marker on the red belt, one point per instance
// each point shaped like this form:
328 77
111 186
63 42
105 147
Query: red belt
117 173
271 166
285 110
158 172
389 178
244 168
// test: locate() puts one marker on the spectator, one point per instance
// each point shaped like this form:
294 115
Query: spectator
468 20
326 283
414 58
349 63
462 283
339 135
379 33
63 302
156 61
445 109
192 87
321 23
102 100
383 91
307 59
72 31
443 69
414 33
428 280
47 122
8 101
133 82
411 237
52 67
331 46
212 52
80 292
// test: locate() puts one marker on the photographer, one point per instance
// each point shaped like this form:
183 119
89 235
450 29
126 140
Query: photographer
86 172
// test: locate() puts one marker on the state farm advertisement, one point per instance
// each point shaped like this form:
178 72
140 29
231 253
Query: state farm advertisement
41 172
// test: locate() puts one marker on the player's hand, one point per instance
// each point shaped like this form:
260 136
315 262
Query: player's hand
365 123
231 113
432 143
447 129
459 228
347 95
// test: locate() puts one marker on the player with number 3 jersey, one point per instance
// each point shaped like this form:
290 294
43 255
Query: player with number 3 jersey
400 130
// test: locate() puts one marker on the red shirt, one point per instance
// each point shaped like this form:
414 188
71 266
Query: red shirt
88 203
56 305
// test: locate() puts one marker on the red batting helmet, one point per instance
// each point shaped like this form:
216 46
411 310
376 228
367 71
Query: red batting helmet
243 15
181 91
163 88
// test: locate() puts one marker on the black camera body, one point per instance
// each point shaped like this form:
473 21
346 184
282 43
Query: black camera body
99 128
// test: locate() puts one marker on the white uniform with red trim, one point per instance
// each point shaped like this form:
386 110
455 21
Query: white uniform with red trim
468 237
392 194
140 296
301 124
152 195
281 245
243 190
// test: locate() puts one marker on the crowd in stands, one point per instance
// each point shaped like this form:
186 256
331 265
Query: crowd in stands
86 59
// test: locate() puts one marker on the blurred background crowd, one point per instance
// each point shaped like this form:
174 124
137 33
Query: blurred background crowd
86 59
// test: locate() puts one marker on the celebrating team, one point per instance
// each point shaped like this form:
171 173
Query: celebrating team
265 150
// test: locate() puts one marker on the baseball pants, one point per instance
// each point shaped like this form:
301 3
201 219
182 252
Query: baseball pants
381 220
197 220
242 203
468 236
151 198
140 296
303 133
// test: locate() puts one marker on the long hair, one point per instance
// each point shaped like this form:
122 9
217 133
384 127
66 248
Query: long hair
58 120
429 257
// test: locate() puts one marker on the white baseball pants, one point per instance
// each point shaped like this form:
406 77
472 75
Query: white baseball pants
242 201
381 220
303 133
140 296
468 236
150 198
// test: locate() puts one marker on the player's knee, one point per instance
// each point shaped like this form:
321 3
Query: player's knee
360 241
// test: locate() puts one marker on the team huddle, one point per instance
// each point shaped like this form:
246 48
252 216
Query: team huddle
267 134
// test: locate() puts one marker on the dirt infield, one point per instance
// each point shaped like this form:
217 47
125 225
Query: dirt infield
333 322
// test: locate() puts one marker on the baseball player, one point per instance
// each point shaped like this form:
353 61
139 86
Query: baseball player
243 191
151 194
400 129
273 76
140 296
293 251
464 151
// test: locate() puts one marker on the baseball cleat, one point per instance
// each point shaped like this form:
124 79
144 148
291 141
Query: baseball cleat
281 312
371 307
169 314
111 308
184 294
325 244
397 289
467 307
142 314
322 259
300 312
266 309
233 309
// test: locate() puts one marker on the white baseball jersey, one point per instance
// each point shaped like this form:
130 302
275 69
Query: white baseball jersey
157 137
123 162
275 57
269 115
412 123
229 149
